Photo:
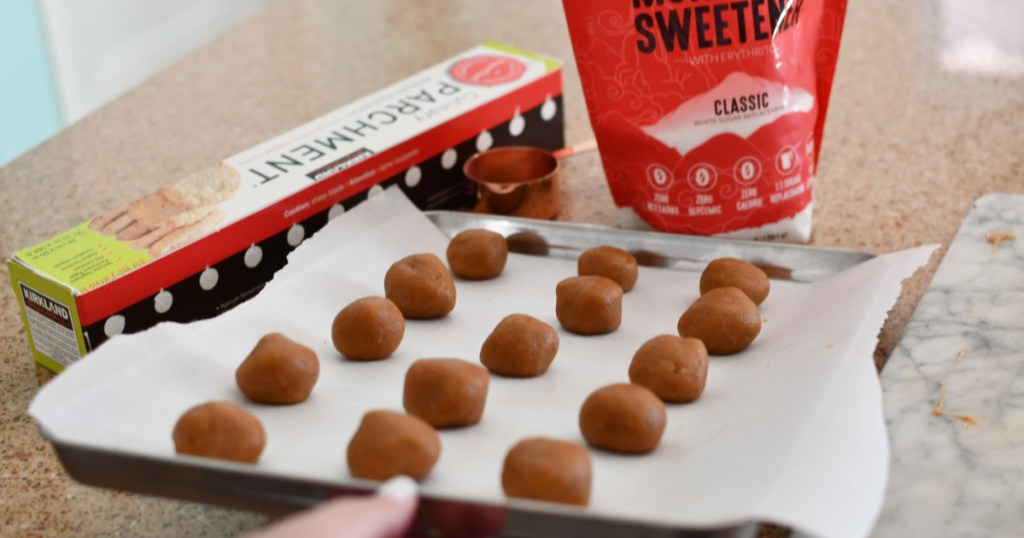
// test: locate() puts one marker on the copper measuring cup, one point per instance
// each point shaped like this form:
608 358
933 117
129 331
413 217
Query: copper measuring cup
519 181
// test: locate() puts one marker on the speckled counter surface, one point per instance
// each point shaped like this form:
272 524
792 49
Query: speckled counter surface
914 135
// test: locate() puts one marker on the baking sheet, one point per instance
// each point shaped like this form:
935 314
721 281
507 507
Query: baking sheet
789 431
782 261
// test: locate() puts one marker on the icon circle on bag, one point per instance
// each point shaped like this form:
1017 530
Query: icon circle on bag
747 170
659 176
702 177
786 160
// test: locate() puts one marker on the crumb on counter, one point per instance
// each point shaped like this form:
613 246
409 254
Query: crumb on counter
997 237
939 411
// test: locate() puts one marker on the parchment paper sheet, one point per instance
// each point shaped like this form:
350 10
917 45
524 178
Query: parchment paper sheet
789 431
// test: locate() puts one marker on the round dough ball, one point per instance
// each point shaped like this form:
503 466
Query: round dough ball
611 262
749 278
674 368
368 329
725 319
477 254
546 469
588 304
420 286
222 430
389 443
447 393
520 346
623 418
278 371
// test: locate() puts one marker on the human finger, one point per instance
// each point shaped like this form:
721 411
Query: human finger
133 231
118 223
98 223
185 234
388 514
147 240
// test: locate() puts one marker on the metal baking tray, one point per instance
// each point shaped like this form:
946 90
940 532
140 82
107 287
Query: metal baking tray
780 261
237 486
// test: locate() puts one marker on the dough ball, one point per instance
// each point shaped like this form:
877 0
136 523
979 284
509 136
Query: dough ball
222 430
421 286
278 371
447 393
477 254
368 329
674 368
520 346
389 443
623 418
589 304
545 469
749 278
611 262
725 319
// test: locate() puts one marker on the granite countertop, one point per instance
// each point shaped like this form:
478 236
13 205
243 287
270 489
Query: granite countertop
919 126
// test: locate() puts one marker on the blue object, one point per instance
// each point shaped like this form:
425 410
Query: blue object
29 106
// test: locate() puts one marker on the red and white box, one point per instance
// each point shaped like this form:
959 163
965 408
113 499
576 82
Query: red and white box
213 239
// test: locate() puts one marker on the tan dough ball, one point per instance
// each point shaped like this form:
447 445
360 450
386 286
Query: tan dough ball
477 254
674 368
447 393
588 304
368 329
546 469
610 262
389 443
623 418
725 319
520 346
420 286
749 278
278 371
222 430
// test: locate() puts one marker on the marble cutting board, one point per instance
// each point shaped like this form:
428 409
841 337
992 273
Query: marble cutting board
953 390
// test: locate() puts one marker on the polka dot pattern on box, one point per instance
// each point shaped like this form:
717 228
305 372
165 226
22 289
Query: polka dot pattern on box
435 182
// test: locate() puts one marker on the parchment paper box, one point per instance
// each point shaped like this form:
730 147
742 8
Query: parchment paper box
213 239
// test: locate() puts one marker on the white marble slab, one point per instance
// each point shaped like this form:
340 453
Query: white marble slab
958 469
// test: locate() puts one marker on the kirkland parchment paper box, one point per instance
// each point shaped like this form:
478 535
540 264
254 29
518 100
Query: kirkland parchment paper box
213 239
709 114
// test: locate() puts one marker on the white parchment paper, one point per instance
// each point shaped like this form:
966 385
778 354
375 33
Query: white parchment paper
789 431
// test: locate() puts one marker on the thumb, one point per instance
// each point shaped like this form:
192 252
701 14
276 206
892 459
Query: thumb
387 514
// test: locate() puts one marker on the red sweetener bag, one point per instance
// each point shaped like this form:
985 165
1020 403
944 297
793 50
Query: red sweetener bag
709 113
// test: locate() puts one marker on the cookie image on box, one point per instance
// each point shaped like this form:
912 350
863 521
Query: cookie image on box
174 215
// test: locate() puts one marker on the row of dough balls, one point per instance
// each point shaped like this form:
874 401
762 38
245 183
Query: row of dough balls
725 318
442 393
630 418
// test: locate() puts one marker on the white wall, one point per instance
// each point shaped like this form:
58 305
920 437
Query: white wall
102 48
